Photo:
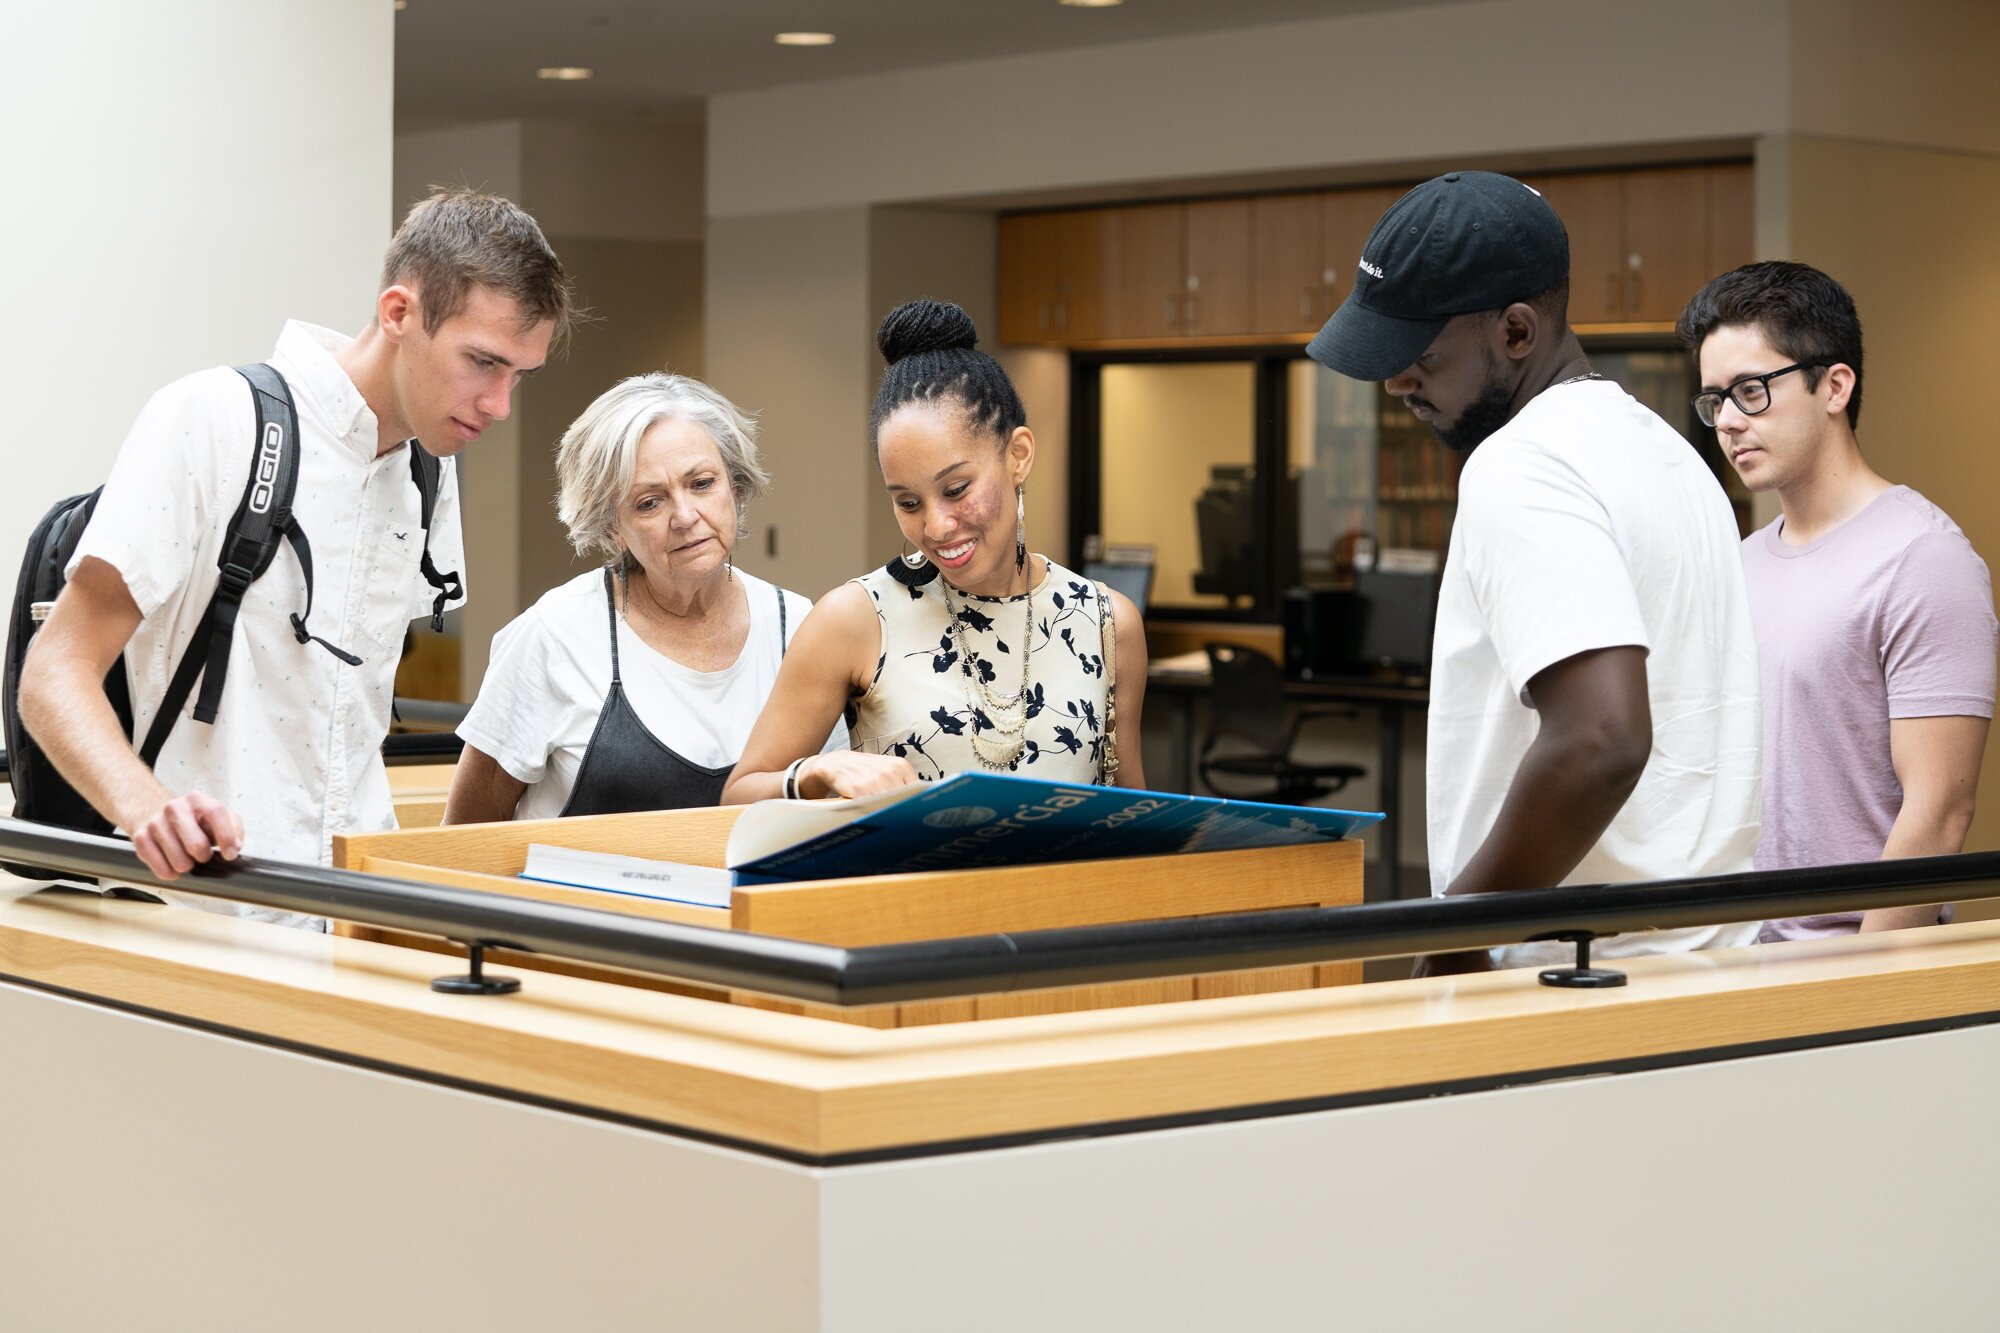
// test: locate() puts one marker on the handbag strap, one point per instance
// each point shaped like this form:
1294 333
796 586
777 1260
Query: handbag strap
1107 633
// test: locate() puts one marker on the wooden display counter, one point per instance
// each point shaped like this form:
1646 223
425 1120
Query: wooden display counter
820 1090
889 909
591 1154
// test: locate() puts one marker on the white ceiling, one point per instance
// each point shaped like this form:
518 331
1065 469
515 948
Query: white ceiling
459 61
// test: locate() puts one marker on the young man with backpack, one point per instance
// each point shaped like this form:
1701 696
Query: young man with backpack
300 694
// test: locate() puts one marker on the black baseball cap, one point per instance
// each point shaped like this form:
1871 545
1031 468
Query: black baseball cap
1461 243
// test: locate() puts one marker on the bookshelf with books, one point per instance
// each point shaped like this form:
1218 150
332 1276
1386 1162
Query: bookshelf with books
1368 476
1418 491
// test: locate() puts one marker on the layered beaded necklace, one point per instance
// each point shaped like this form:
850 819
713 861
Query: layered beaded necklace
1008 714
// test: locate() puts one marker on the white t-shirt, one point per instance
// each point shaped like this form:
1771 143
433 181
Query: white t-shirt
296 747
551 668
1584 523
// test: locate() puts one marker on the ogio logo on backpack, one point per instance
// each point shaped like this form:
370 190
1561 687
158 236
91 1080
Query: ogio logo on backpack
269 450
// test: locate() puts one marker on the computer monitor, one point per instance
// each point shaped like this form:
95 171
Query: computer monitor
1134 580
1398 613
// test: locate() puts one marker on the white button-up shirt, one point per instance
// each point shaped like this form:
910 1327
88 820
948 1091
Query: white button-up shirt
296 747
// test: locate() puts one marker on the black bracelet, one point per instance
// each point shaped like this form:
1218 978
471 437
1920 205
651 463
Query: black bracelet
792 779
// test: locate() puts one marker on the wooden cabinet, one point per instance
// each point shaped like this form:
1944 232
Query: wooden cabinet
1287 271
1304 252
1216 303
1275 266
1051 277
1643 241
1592 209
1177 270
1666 241
1145 275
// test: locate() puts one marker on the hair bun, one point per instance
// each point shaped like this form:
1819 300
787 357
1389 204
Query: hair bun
924 326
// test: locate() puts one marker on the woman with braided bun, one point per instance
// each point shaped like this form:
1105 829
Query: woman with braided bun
968 652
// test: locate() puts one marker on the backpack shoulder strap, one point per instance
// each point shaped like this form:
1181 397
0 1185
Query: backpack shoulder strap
427 471
263 517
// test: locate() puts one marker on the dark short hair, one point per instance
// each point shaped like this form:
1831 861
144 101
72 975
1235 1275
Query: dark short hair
1800 311
929 346
460 239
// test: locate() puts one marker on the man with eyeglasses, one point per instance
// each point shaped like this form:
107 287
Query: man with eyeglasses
1873 614
1593 713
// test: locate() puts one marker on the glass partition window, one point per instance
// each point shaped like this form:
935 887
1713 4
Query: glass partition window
1177 472
1249 474
1367 475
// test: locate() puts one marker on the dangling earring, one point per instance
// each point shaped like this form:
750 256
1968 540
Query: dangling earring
621 569
1020 528
912 569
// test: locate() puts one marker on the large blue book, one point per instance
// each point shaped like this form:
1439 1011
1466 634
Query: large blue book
977 820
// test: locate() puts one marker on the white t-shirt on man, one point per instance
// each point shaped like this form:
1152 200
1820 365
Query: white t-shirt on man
1584 523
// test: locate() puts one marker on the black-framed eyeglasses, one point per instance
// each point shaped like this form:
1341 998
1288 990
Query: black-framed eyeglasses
1751 394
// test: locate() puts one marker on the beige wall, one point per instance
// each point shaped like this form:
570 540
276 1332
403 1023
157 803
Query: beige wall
615 181
169 210
789 338
1910 232
946 256
1392 87
1915 72
1041 377
646 314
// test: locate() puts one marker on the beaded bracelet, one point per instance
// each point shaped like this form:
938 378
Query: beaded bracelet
792 779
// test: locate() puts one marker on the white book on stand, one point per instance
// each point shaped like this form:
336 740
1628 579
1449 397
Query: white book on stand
704 886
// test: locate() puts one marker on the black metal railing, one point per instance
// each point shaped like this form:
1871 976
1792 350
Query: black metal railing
1025 960
421 747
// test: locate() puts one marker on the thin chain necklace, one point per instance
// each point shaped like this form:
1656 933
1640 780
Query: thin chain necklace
1009 715
1577 379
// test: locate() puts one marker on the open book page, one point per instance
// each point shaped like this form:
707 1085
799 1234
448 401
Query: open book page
704 886
771 826
987 819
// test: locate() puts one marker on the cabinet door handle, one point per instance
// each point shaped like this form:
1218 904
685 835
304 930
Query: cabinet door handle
1190 318
1611 295
1062 316
1173 311
1305 305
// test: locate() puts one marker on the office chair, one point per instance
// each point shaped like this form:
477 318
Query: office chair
1247 703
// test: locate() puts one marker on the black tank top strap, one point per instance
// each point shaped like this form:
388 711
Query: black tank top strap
611 605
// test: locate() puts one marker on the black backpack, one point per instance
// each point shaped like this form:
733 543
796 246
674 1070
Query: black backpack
263 518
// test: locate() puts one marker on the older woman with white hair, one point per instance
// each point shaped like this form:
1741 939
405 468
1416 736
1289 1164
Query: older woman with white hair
634 687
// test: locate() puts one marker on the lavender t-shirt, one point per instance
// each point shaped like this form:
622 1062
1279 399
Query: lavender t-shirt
1890 615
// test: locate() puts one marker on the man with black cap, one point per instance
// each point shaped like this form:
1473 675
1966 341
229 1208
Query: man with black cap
1594 687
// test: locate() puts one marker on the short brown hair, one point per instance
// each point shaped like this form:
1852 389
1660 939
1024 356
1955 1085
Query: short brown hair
459 239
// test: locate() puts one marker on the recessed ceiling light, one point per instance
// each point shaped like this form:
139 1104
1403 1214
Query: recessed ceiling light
1090 4
565 72
804 39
